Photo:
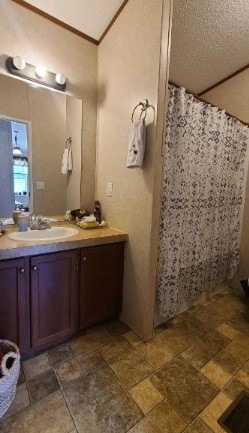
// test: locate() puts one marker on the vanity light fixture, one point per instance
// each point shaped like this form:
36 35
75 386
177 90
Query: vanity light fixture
17 66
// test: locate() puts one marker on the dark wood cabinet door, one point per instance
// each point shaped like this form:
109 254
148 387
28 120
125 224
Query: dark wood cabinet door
54 297
101 283
14 302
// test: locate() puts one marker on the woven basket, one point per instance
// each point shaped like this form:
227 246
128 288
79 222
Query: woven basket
9 374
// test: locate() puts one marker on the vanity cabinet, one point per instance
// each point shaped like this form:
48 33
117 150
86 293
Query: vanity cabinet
14 302
54 297
47 298
101 283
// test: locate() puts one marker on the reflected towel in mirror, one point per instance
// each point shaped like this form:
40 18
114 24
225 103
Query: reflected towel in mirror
67 161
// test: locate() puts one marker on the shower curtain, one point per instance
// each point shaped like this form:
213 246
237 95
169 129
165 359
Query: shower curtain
202 197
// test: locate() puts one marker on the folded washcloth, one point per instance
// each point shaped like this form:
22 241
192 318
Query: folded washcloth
88 225
67 161
89 219
136 145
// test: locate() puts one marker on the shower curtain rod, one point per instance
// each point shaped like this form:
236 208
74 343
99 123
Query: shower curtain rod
212 105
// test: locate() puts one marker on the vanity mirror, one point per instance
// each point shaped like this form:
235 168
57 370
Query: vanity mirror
37 122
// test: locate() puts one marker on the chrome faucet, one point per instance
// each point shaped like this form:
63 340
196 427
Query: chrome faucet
39 223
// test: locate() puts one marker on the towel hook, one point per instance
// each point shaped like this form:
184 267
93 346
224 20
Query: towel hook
143 107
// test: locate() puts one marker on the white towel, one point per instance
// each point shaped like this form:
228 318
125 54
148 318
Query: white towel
67 161
89 219
136 145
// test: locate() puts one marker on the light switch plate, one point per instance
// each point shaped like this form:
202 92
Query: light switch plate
40 185
109 189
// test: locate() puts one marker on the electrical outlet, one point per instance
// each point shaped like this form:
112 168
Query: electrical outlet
109 189
40 185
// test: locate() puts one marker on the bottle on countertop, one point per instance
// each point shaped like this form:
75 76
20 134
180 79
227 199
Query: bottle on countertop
97 211
22 222
15 215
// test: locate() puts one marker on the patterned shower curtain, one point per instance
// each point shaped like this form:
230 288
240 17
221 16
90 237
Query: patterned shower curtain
202 197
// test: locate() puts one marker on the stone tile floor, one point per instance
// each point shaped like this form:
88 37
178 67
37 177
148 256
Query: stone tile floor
108 380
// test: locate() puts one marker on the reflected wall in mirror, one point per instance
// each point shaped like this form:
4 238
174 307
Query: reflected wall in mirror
49 118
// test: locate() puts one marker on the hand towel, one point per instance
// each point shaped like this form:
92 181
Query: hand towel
67 161
136 144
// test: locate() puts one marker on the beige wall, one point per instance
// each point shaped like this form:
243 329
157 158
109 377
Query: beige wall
128 65
41 42
233 96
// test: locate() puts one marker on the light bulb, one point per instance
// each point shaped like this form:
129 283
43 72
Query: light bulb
19 63
60 79
40 71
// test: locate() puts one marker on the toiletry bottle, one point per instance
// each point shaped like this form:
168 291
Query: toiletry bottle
15 215
22 222
97 211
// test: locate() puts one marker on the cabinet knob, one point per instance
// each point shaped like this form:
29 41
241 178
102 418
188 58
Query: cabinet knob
21 270
84 259
34 268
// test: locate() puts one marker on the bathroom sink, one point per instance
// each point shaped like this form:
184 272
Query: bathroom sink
55 233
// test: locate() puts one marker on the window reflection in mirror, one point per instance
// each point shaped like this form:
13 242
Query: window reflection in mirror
14 167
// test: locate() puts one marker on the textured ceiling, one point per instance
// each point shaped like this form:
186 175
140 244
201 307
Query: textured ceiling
210 40
89 16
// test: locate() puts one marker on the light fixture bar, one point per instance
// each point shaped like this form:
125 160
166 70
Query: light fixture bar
29 72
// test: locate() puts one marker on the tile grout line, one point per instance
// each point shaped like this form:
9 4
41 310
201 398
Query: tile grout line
189 425
69 410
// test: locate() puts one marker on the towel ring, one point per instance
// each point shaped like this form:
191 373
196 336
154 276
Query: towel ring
68 142
144 105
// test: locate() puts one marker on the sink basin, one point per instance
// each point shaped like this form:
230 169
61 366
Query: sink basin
55 233
51 219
